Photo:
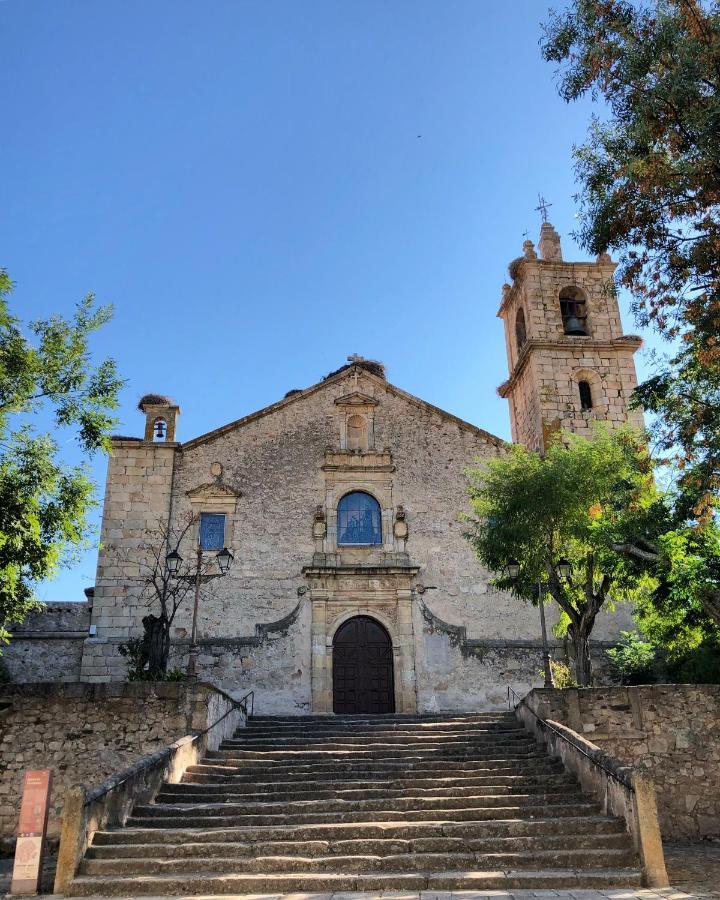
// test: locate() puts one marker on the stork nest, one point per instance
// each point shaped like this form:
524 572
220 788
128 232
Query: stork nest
370 365
154 400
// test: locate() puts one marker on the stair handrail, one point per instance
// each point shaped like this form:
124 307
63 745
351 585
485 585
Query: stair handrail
625 782
242 703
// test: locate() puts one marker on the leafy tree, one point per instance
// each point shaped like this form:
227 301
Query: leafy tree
633 661
650 175
44 502
579 502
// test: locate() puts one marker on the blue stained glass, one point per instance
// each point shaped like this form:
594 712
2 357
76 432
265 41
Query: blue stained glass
359 519
212 531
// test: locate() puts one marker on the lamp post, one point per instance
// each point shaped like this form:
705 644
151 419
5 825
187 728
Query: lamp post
564 570
174 561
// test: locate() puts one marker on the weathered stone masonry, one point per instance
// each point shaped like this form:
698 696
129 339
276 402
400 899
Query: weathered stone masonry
671 730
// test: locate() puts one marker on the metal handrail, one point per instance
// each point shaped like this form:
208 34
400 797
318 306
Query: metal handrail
242 703
545 724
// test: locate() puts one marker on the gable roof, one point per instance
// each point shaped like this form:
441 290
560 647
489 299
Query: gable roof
341 375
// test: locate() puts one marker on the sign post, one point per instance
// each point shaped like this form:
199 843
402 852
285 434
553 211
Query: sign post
31 832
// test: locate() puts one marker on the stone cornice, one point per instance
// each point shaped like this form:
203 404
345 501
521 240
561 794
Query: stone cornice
627 342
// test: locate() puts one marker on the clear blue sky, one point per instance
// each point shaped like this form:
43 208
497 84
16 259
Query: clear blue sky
263 188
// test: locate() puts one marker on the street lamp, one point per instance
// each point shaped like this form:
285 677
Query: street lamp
564 569
512 571
173 561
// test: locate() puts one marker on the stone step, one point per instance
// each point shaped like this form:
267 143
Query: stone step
387 719
345 744
236 883
392 781
278 772
411 830
429 801
390 786
219 816
203 794
330 757
360 846
372 731
407 862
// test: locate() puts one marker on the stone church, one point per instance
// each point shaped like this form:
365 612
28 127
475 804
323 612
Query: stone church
352 588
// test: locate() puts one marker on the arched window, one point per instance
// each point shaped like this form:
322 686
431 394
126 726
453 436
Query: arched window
357 433
585 395
358 519
159 430
573 311
520 334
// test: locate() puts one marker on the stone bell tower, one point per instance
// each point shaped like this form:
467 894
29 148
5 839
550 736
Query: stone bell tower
569 361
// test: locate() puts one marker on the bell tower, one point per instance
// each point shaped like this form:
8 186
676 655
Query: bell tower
569 361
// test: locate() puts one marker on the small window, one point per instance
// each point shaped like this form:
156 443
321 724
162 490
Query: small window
520 333
357 433
359 519
585 395
573 312
212 531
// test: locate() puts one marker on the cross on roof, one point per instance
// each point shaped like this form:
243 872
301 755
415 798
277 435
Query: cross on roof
543 207
355 358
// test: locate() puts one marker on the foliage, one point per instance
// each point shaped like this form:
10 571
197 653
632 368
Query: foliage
633 661
650 175
562 676
699 666
581 501
46 368
136 652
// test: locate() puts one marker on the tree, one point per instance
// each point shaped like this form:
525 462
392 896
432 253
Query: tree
650 176
44 502
578 503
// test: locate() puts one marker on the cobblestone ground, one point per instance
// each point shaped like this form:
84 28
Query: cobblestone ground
694 871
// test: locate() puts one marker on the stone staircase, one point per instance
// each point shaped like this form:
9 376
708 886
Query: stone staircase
365 803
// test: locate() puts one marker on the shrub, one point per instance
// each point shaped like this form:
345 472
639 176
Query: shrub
634 660
562 676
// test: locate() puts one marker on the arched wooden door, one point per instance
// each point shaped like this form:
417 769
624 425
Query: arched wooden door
363 668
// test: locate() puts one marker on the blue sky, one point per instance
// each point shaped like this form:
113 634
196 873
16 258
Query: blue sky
264 188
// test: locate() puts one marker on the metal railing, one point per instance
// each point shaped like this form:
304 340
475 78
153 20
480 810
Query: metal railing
243 702
627 783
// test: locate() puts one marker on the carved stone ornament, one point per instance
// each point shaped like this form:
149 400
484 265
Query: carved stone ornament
319 523
400 528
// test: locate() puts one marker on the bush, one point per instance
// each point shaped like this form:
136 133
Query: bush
634 660
698 666
135 651
562 676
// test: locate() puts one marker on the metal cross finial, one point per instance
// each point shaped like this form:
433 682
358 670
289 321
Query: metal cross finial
355 358
543 207
526 233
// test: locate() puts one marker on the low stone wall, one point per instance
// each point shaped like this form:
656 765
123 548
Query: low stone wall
670 730
48 645
87 732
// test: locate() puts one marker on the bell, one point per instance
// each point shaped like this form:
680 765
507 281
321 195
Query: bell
160 430
574 326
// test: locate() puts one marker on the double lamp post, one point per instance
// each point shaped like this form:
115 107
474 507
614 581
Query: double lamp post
173 560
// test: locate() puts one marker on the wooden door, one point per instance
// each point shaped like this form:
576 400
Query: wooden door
363 668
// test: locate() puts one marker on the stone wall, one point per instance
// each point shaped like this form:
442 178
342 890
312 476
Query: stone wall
48 645
672 730
87 732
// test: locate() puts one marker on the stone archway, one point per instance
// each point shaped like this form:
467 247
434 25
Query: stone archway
363 680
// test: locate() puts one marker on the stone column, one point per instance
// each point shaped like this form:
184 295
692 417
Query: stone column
321 660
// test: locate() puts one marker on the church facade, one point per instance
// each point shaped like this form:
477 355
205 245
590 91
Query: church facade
352 587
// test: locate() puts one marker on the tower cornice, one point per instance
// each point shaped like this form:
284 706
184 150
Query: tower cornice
630 342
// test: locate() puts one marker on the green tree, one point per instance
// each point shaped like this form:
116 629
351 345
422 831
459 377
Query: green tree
582 502
650 176
44 502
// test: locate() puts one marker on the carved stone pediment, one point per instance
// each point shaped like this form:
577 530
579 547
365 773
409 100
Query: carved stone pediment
214 491
356 398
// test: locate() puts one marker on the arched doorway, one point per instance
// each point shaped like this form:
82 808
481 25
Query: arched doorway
363 668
